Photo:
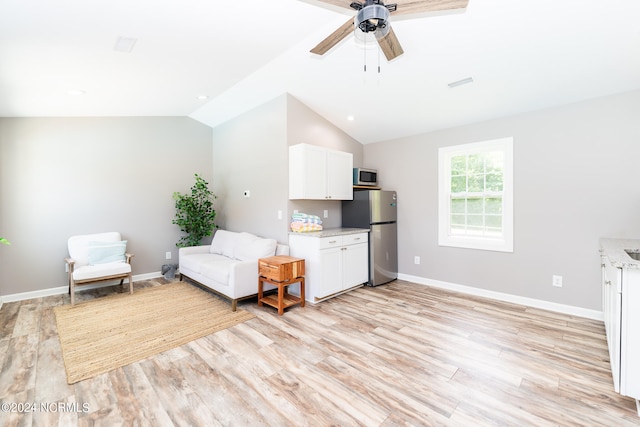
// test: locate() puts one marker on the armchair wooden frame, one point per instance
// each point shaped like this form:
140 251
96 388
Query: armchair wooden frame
72 283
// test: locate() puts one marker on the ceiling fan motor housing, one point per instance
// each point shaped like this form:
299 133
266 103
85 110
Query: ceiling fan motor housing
372 17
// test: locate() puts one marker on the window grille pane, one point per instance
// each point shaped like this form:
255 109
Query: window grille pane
459 165
475 221
493 205
476 184
458 184
494 221
474 205
458 206
476 163
457 223
494 162
494 182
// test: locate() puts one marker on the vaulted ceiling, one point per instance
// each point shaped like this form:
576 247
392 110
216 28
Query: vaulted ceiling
522 56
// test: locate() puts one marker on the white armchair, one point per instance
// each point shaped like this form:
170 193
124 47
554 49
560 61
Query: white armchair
98 257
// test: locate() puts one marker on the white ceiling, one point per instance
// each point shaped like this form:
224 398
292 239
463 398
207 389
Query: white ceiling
522 55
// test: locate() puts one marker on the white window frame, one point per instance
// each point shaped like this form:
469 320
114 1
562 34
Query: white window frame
503 243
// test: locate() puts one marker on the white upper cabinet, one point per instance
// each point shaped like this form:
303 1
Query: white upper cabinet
319 173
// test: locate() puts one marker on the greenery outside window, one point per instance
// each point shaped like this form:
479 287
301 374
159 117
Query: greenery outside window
476 195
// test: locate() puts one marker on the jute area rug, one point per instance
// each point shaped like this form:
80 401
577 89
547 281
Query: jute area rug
100 335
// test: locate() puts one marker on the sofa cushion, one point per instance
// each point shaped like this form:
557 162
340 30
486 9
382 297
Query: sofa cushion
224 242
218 269
250 247
194 262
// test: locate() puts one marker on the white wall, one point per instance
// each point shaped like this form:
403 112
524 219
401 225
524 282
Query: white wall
65 176
575 181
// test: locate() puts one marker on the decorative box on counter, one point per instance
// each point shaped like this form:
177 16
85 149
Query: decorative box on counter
281 268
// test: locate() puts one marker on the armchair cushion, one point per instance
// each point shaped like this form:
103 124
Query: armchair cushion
89 272
106 252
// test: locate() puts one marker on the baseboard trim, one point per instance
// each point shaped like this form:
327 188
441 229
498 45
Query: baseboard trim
530 302
65 289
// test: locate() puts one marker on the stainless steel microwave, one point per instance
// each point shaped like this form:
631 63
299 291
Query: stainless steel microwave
363 176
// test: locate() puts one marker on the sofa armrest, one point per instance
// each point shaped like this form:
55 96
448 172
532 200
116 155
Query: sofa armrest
282 249
194 250
243 278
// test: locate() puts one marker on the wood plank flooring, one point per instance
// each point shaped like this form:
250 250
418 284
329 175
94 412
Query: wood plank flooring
395 355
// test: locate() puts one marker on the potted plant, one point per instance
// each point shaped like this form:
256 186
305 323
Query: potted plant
194 213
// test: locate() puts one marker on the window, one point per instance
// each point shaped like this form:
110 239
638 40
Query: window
476 195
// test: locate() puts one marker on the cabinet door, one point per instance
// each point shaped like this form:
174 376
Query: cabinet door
355 265
630 343
307 172
330 272
339 175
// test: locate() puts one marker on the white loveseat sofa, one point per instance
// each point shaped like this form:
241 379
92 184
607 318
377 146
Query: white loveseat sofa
229 266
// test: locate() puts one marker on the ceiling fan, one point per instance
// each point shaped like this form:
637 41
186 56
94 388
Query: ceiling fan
373 16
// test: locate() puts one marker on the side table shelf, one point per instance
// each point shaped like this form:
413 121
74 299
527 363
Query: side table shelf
281 271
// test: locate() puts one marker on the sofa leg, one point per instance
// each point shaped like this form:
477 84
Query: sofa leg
181 277
234 304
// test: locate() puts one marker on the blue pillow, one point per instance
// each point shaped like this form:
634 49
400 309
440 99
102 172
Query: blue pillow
104 252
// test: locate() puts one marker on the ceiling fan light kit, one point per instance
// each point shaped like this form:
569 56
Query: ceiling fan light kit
373 16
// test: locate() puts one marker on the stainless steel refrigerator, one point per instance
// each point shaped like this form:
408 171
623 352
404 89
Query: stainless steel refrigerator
376 210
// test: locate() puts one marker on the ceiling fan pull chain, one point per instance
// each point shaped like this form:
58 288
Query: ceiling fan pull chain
365 54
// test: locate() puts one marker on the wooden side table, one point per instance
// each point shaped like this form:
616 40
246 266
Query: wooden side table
281 271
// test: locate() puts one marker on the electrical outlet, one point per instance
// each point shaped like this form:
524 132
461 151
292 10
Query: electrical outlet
167 255
556 281
326 213
279 214
416 260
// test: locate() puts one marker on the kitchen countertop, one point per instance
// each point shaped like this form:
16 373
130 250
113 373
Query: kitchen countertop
614 250
330 232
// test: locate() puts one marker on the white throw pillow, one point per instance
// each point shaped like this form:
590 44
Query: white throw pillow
250 247
106 252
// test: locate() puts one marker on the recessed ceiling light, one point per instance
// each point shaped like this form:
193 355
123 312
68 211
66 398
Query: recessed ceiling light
461 82
351 118
125 44
76 92
202 97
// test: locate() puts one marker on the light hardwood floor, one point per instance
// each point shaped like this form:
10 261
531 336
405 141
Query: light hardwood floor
394 355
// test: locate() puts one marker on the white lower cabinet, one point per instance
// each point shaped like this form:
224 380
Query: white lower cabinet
333 264
621 310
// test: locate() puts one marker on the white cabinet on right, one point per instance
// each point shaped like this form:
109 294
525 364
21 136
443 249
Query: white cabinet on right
333 264
621 310
317 173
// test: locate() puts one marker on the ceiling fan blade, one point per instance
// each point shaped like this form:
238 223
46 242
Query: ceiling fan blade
390 45
334 38
406 7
